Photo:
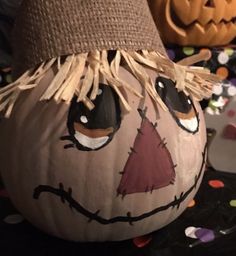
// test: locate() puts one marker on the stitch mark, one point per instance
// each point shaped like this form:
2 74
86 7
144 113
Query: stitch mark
143 112
140 131
162 143
133 150
130 217
95 214
154 125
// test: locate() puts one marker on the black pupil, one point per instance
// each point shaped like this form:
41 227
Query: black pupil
175 100
105 114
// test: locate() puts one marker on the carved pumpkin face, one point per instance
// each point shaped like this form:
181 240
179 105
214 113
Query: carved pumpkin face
98 175
195 22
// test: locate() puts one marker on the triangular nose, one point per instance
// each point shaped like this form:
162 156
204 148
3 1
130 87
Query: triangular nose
149 165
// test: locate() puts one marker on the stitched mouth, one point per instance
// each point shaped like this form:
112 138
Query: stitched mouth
66 196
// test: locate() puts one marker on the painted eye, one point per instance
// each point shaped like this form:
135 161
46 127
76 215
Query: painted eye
178 101
179 104
84 119
92 130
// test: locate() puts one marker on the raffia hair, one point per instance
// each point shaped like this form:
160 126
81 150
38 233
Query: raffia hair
79 74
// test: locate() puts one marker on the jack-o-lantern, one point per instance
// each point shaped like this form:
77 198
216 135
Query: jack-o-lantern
105 140
195 22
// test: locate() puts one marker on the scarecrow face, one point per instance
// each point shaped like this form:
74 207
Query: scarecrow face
119 177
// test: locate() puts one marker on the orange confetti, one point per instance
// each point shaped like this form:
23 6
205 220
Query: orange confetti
142 241
192 204
222 72
216 183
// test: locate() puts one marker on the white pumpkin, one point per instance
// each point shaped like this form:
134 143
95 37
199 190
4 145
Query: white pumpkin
132 175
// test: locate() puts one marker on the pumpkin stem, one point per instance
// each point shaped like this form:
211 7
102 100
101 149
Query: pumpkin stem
191 60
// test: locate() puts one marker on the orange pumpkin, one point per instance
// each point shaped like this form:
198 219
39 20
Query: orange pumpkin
195 22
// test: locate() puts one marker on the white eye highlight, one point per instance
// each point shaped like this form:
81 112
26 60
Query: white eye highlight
84 119
99 92
161 85
189 102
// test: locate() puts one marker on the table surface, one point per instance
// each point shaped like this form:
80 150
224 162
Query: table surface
214 210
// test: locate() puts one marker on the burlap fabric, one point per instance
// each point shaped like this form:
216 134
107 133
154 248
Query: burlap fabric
51 28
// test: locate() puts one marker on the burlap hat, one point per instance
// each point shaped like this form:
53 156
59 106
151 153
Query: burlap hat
77 36
52 28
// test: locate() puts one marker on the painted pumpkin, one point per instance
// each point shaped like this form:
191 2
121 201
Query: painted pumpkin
195 22
104 144
96 175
